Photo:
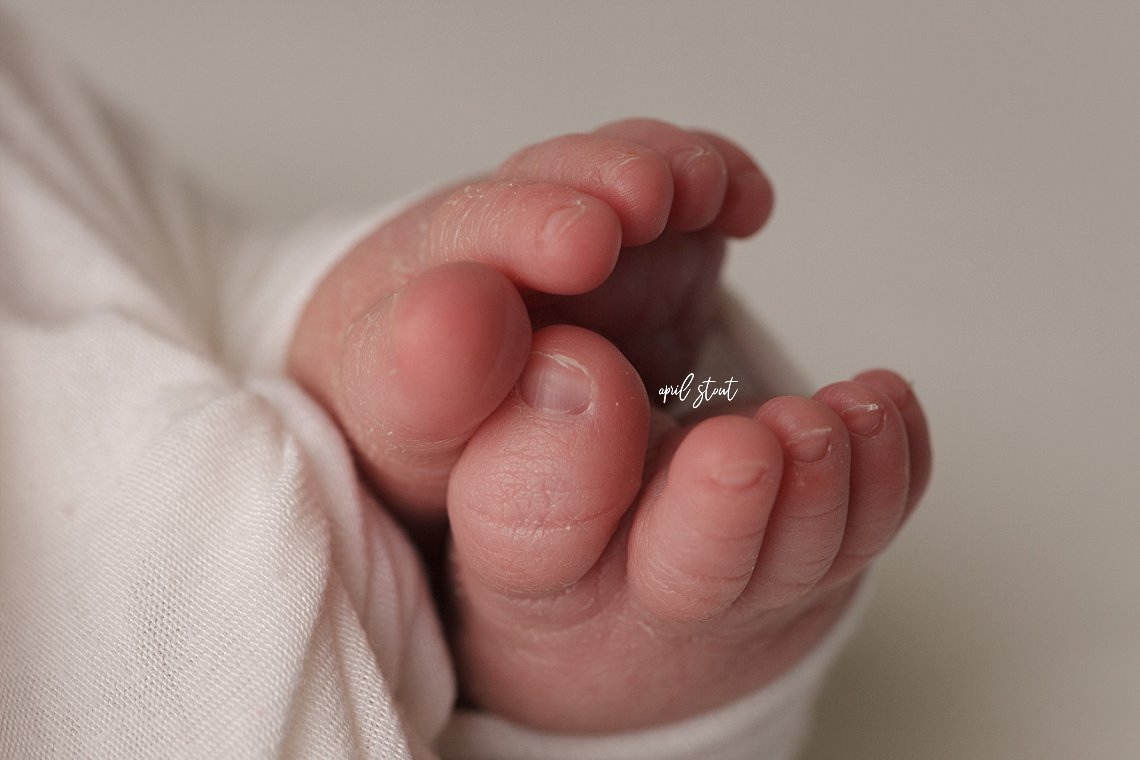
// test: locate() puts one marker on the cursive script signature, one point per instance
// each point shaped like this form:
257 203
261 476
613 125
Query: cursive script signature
706 390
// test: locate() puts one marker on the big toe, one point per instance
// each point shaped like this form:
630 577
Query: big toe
419 372
543 484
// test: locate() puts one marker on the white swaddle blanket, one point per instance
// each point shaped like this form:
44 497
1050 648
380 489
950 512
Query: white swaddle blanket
188 565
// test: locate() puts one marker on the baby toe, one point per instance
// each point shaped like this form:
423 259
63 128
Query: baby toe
632 178
700 175
542 235
748 197
902 395
694 541
806 529
880 473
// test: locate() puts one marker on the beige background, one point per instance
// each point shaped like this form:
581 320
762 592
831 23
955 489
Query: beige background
958 197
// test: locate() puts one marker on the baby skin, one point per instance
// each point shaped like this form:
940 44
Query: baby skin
488 353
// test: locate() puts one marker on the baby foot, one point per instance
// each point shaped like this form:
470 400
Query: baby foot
421 331
588 600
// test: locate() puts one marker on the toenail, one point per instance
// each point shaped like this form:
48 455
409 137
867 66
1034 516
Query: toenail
810 445
612 170
740 474
562 220
863 419
555 384
688 158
